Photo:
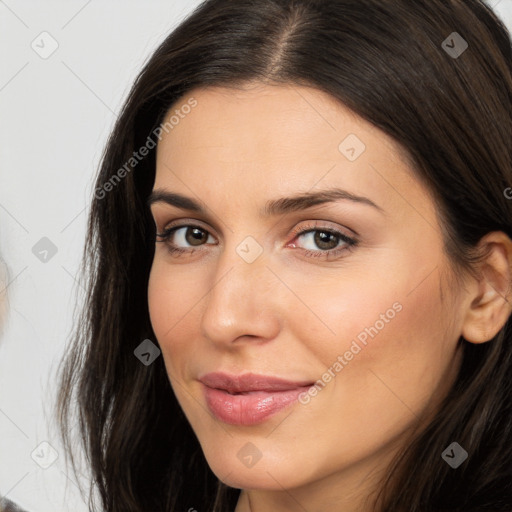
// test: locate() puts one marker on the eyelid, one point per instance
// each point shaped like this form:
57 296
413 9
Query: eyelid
322 225
184 222
162 213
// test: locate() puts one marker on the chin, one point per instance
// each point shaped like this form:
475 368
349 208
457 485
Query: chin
268 473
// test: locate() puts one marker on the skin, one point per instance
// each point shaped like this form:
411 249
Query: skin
291 315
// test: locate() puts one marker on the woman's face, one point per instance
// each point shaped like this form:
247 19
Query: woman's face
273 286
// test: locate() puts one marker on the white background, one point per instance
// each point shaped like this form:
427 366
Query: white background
55 116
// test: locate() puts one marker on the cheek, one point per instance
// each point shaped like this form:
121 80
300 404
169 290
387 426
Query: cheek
172 292
174 299
160 297
167 300
382 385
387 343
390 308
395 354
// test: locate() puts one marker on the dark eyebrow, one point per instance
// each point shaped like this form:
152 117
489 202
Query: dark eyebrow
309 199
273 207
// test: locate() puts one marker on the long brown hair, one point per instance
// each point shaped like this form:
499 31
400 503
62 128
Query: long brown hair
451 113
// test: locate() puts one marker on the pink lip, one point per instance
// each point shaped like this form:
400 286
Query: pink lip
248 399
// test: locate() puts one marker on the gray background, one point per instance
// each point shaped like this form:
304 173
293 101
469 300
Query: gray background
56 113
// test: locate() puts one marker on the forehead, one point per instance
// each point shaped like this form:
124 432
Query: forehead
281 118
276 140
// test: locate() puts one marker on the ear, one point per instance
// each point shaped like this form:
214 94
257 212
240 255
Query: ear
491 303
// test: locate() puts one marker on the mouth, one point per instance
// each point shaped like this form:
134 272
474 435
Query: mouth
249 399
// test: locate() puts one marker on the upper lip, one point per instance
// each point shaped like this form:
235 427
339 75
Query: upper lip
249 382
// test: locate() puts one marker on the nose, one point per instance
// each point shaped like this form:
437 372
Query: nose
243 303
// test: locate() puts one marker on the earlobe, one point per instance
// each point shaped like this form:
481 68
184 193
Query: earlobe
491 303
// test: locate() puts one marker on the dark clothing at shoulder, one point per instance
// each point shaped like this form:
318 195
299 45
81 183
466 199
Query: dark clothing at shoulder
8 506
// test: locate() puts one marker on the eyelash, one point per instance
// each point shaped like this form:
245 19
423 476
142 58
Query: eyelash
351 243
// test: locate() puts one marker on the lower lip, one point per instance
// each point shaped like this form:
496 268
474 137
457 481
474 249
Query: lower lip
251 408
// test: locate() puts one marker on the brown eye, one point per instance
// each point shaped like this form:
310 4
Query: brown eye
322 240
325 240
317 241
185 237
196 236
